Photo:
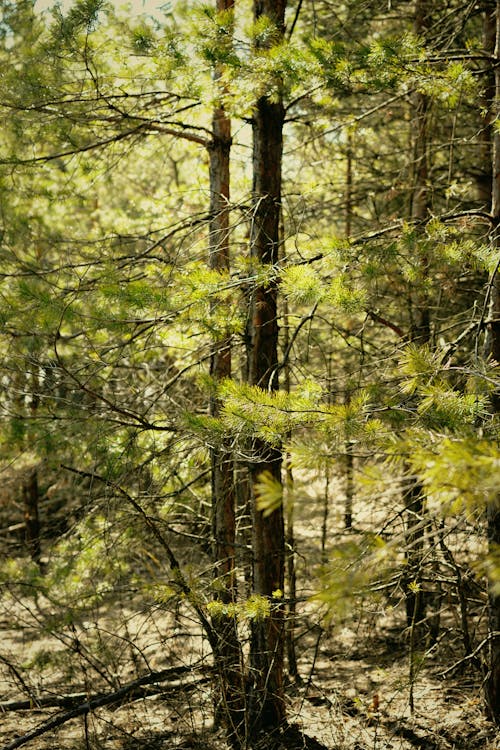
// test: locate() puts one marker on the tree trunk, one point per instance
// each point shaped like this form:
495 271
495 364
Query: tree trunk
420 334
266 704
349 472
492 684
291 576
484 179
349 458
31 517
228 661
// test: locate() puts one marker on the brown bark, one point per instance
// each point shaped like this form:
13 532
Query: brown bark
492 683
227 656
291 576
220 362
266 704
484 180
31 516
349 484
420 333
349 458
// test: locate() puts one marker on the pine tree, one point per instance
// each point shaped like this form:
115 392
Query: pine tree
492 685
267 711
228 655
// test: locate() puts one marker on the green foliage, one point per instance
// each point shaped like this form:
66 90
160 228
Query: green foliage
342 295
256 607
83 16
269 493
353 566
490 566
460 472
83 572
215 33
448 85
420 365
143 39
250 410
443 408
302 285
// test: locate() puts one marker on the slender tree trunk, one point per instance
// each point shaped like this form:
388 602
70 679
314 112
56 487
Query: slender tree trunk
420 334
349 458
220 362
349 473
30 488
484 180
267 710
492 684
31 517
291 613
228 654
291 577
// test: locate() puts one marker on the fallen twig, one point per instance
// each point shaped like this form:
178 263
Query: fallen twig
130 689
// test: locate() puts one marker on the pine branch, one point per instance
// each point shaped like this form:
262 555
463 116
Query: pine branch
137 419
178 130
289 347
179 577
79 150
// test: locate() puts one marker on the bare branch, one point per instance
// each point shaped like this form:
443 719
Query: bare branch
179 577
128 690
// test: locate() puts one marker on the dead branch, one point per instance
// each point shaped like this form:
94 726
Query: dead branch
178 575
132 689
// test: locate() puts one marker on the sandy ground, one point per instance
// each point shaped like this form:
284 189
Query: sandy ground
354 691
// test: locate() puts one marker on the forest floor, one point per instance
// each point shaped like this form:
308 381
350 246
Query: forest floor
354 690
356 697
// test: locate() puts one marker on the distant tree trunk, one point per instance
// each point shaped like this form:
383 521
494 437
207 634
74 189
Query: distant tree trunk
349 458
349 474
30 495
29 486
492 684
267 710
484 179
420 333
291 577
228 655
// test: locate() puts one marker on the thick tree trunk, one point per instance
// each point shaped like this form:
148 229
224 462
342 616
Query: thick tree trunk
492 684
266 705
228 661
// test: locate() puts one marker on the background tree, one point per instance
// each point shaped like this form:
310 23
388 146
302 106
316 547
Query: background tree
492 32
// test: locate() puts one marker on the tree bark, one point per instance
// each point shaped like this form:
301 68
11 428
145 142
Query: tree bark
266 704
291 575
228 659
31 516
485 179
492 683
349 458
420 334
